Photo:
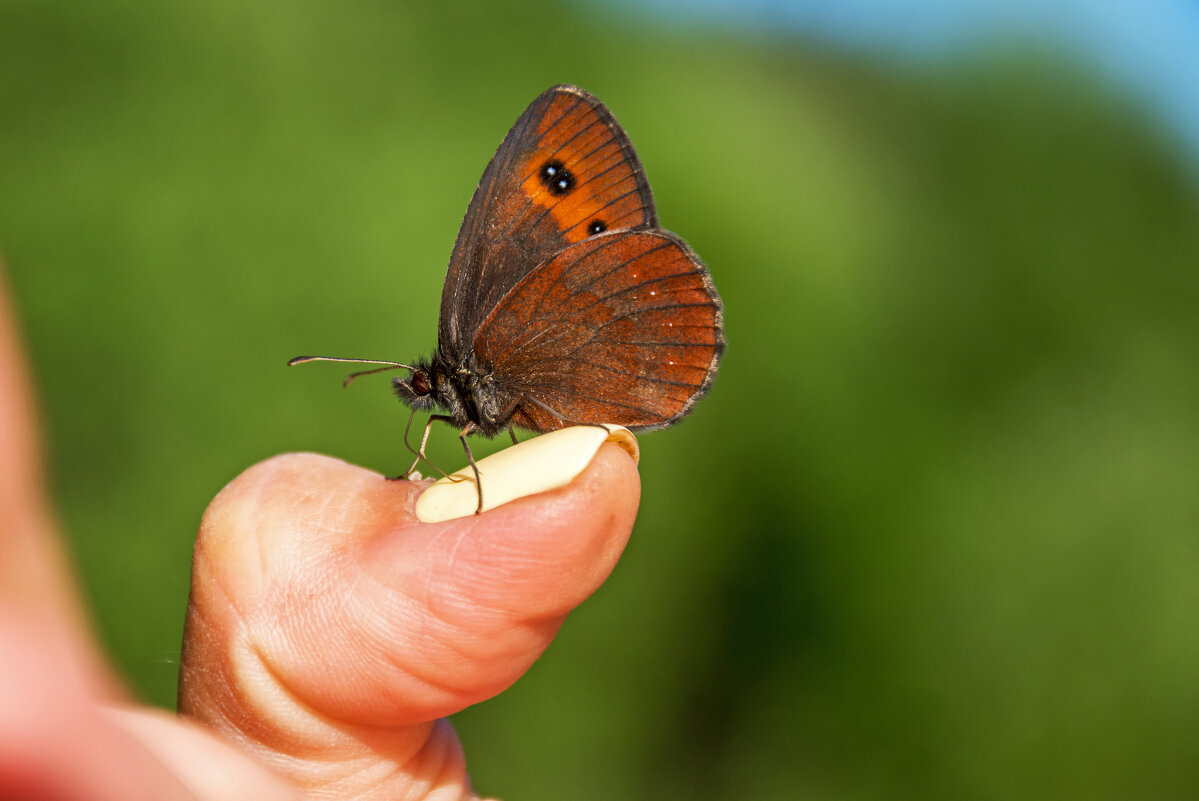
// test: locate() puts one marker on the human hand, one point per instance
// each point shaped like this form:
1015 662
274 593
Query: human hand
328 632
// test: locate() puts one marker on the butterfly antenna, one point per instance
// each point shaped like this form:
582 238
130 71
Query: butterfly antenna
352 376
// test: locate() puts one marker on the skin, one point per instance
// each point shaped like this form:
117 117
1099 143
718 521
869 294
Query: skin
328 633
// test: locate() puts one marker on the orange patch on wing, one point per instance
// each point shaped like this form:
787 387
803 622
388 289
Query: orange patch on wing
605 186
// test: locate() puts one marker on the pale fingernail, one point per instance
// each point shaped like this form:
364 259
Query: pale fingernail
536 465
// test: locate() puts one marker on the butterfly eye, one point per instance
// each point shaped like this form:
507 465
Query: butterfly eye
597 227
556 177
420 383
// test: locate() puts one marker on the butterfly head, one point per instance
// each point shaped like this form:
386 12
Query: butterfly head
419 389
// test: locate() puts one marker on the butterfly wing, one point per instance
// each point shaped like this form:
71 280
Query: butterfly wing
565 171
624 327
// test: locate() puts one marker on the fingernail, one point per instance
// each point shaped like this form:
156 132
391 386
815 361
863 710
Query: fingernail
536 465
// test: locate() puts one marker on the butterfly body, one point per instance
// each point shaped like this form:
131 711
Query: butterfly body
465 393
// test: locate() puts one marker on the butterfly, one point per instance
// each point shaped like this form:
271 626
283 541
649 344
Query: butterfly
564 302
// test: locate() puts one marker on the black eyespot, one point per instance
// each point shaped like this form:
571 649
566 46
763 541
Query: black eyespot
597 227
420 383
556 177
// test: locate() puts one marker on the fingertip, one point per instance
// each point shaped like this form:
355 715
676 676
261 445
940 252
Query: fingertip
299 487
539 556
291 510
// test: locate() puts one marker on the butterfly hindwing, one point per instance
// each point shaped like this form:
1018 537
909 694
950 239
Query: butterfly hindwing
566 171
624 327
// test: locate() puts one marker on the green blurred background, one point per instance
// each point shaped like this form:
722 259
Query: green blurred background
933 535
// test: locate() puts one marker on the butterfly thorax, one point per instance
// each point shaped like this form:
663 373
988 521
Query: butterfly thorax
462 390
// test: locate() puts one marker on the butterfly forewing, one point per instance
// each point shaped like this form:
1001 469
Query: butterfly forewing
565 172
622 328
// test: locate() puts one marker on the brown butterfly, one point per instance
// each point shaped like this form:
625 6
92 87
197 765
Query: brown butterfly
564 303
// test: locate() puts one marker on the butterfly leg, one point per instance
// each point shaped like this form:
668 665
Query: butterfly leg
424 440
470 427
512 433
